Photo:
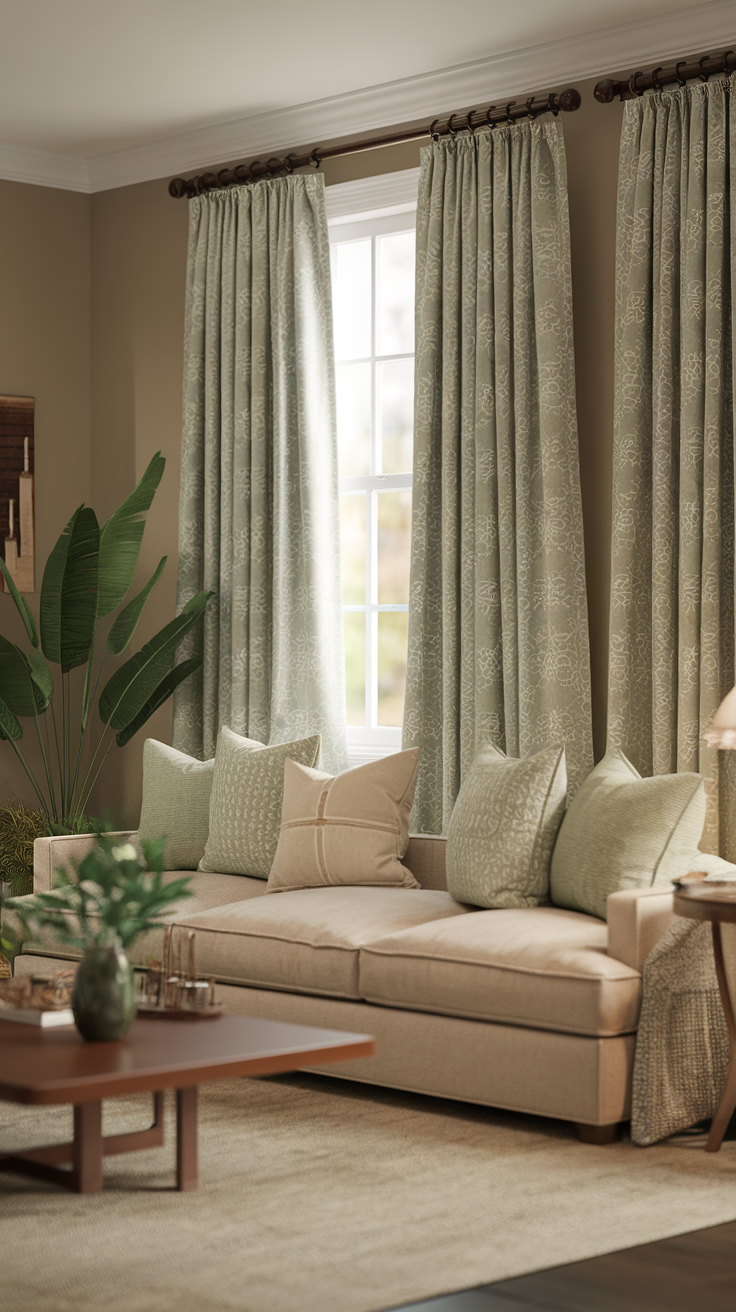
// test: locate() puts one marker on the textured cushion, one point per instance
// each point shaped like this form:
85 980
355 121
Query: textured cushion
308 941
503 827
245 808
176 803
350 829
622 831
534 966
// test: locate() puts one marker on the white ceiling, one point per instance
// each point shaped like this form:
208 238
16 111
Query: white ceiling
88 80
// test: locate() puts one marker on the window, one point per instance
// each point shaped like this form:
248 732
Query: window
373 291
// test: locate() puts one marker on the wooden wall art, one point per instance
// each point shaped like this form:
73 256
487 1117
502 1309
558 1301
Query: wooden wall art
16 490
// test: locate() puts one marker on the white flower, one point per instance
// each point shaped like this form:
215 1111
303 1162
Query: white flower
126 852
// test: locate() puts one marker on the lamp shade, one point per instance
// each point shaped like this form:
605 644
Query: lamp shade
722 732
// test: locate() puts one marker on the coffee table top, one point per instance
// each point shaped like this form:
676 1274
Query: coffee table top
57 1065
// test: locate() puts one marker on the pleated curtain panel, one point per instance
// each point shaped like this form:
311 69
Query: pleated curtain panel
672 609
258 519
498 632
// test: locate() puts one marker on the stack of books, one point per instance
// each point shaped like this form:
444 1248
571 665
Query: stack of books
38 999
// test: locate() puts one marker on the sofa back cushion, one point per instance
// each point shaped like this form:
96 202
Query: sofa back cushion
245 808
176 803
622 831
352 828
503 827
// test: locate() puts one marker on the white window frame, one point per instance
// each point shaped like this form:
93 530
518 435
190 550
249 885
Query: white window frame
352 217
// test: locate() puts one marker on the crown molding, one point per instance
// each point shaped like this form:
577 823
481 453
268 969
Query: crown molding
42 169
538 67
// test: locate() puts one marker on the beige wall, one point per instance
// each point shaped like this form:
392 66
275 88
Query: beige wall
45 353
134 239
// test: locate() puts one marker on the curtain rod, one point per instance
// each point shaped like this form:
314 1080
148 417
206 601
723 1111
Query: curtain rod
489 116
627 88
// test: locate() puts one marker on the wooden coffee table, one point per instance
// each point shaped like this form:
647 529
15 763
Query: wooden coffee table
45 1067
716 903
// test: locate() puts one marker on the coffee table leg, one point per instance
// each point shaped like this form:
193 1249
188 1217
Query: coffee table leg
87 1148
728 1101
186 1138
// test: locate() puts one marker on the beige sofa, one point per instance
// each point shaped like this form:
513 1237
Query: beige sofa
532 1010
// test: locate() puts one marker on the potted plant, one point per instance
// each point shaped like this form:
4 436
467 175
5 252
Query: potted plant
86 579
113 896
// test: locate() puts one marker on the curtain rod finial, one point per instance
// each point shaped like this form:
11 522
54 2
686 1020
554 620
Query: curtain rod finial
606 91
570 99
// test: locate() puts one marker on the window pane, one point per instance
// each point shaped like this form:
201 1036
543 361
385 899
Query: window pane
392 640
394 547
352 548
353 383
355 667
352 300
396 293
396 393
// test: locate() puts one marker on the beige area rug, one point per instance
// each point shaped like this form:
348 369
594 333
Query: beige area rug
322 1196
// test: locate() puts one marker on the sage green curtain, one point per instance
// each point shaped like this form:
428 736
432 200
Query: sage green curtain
258 516
498 633
672 607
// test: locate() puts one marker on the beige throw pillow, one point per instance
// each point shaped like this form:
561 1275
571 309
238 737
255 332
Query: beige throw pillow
176 803
622 831
503 827
350 829
245 809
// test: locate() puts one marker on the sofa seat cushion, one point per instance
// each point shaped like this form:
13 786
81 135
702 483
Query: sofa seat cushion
309 940
536 966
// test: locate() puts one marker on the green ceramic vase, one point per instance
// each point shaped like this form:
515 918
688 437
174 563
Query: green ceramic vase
103 1000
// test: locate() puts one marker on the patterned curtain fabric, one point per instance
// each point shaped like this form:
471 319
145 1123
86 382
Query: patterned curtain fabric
258 516
672 608
498 633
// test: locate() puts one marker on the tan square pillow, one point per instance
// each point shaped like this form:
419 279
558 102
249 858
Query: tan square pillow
350 829
245 808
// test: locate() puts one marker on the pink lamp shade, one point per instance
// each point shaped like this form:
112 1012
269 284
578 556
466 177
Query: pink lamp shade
722 732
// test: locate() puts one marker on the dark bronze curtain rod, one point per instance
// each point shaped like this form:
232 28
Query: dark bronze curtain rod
627 88
469 120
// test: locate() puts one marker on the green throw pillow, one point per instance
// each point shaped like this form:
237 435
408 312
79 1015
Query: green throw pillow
176 803
503 827
247 795
622 831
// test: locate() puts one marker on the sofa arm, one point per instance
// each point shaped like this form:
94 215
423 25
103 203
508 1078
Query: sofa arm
637 919
52 854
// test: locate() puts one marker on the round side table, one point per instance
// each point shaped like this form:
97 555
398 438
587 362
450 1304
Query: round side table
716 903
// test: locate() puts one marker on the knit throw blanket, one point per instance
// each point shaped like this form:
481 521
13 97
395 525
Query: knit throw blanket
682 1045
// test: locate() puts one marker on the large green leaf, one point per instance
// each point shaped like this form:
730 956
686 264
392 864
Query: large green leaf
42 678
69 592
17 688
121 537
21 603
127 621
126 693
161 694
10 728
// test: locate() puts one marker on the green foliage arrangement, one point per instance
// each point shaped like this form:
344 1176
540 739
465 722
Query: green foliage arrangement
19 828
86 578
114 894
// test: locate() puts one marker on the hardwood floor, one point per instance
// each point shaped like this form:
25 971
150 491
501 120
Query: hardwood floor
694 1272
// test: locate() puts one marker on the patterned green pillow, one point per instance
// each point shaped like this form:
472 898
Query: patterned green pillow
245 808
503 828
622 831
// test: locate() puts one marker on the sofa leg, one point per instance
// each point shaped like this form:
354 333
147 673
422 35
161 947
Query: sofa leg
599 1133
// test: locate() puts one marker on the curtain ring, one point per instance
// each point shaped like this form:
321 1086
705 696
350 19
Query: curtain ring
655 79
450 128
530 107
703 75
681 81
726 68
274 165
633 84
471 129
257 163
509 119
288 164
434 136
491 123
314 158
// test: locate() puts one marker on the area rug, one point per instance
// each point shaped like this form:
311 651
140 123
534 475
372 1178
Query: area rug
321 1196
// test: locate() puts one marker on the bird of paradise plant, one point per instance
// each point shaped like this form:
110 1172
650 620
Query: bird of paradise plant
86 578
